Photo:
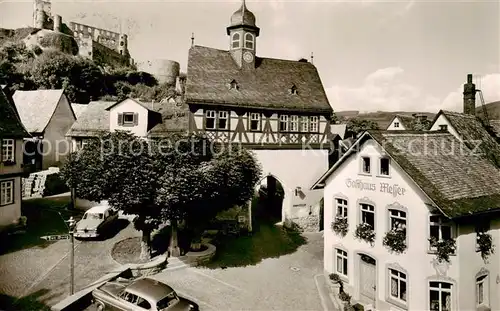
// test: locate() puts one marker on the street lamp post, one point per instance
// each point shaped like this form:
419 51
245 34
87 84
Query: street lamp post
71 225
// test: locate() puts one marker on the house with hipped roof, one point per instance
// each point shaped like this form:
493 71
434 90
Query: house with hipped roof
143 119
47 115
12 134
410 216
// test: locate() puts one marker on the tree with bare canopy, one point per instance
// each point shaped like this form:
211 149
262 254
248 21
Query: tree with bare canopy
181 178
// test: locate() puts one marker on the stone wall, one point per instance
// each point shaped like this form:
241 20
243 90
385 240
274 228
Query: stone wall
305 224
104 55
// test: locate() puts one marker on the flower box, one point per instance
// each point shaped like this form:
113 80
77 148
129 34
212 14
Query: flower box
365 232
395 240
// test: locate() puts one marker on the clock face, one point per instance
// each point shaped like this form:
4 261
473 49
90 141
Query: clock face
248 57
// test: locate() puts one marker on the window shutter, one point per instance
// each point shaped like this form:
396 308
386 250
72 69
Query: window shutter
136 118
120 119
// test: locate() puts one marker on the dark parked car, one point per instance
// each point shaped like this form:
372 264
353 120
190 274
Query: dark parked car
95 221
140 295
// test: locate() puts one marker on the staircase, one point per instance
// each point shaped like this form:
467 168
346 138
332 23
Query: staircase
34 185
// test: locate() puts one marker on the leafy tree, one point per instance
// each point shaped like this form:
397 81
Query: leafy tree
186 179
357 126
118 167
420 125
195 188
80 77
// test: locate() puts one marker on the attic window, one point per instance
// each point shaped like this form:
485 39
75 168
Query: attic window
233 85
443 127
396 124
128 119
293 90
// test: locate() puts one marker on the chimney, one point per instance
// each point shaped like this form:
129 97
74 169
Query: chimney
469 96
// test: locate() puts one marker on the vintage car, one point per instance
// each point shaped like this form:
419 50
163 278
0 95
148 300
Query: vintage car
139 295
95 222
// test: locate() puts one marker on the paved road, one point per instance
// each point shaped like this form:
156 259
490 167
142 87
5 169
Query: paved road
45 272
284 283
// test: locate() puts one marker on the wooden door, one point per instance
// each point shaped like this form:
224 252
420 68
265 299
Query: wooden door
368 279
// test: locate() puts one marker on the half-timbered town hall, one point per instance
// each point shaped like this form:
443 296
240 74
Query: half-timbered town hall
276 107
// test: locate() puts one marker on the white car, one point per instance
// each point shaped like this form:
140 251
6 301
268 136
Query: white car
95 221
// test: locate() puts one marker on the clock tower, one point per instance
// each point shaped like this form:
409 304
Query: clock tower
243 35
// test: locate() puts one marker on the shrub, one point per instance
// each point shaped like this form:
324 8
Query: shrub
54 184
334 277
344 296
340 226
365 232
395 240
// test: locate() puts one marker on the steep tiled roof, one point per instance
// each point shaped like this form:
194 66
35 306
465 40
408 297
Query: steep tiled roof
458 181
210 71
474 134
10 124
92 121
36 107
406 121
174 119
78 109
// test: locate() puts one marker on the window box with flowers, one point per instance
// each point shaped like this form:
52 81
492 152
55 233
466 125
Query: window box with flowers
9 162
395 240
484 243
365 232
340 226
444 248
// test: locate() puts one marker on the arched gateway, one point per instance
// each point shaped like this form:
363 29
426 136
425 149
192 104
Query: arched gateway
278 108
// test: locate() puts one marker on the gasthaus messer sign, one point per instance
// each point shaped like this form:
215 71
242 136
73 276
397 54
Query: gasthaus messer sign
392 189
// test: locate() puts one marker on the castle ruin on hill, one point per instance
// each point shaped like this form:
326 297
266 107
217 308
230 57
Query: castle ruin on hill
101 45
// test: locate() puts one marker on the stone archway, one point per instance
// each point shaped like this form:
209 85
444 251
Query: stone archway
270 199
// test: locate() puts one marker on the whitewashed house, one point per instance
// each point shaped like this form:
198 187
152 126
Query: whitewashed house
413 186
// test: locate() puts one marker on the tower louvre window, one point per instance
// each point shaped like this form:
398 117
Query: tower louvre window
249 41
235 41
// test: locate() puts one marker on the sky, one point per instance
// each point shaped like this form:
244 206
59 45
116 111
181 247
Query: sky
411 55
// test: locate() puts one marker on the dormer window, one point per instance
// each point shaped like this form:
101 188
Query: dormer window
249 41
235 40
443 127
233 85
293 90
396 124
